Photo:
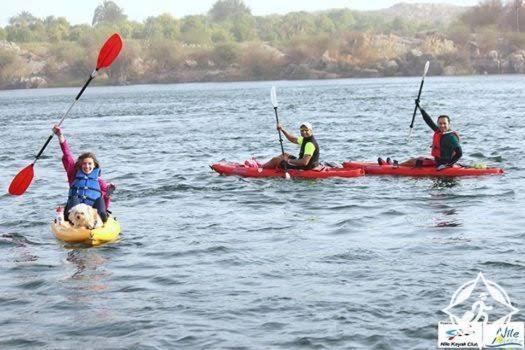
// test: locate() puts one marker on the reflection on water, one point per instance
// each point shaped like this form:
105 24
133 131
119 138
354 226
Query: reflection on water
89 272
444 182
447 218
441 216
20 250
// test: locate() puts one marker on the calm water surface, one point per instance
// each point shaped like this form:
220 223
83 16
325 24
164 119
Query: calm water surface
212 262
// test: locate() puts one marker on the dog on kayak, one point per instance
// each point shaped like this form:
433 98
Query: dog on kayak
82 215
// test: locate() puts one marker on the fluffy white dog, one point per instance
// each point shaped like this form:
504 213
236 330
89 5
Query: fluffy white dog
82 215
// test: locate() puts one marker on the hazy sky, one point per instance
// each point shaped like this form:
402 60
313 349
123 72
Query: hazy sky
82 11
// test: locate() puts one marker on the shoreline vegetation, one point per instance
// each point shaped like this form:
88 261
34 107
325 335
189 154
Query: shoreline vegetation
230 44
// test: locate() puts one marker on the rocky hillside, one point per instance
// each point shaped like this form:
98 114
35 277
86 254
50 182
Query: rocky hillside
329 44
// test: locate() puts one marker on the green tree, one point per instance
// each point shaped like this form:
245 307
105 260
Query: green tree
57 29
108 12
487 13
125 28
243 28
398 25
3 34
65 52
268 27
19 34
194 30
223 10
296 24
151 29
164 55
77 32
221 35
368 22
170 26
24 19
163 26
343 19
25 28
137 30
324 24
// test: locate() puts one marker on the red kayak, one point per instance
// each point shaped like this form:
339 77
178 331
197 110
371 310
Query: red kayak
322 173
386 169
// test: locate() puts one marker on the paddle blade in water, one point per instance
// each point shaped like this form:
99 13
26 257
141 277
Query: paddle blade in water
22 181
274 97
109 51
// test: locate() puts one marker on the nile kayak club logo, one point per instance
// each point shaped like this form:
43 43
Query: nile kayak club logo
480 314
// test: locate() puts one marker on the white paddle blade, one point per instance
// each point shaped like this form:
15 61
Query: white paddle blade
287 176
274 97
427 65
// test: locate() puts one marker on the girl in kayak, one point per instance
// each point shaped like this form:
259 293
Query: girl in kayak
446 149
308 155
85 184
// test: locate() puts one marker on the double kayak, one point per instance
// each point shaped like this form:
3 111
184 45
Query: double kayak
387 169
258 172
109 232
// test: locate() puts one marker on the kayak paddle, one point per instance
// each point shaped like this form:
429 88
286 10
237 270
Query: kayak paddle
418 96
106 56
274 103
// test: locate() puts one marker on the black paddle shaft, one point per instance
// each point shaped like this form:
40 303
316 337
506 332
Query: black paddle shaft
86 84
44 147
281 141
279 131
76 99
415 108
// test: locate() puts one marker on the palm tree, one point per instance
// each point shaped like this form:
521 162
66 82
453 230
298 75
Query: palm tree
108 12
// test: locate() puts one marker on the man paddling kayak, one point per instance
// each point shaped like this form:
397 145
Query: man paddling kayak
446 149
308 155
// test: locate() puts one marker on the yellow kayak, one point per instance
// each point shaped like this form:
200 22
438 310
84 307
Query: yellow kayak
107 233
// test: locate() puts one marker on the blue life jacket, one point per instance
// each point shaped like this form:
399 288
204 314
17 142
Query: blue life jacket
86 187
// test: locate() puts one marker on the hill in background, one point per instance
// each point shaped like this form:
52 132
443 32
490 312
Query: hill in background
230 44
437 14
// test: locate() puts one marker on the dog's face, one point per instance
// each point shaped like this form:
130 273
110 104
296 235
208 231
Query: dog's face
82 215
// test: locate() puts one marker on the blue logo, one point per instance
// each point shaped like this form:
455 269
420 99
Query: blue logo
505 337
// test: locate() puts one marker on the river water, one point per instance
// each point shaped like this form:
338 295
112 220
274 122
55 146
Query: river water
213 262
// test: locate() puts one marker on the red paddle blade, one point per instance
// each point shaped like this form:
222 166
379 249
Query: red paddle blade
109 51
22 181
